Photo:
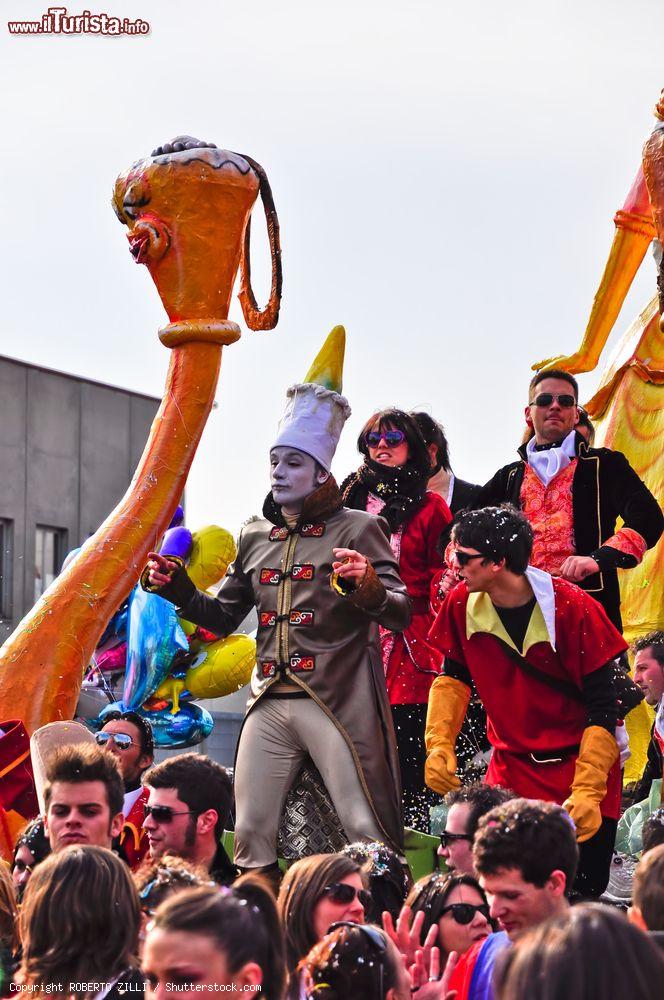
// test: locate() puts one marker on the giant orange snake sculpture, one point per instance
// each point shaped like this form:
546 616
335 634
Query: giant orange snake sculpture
187 208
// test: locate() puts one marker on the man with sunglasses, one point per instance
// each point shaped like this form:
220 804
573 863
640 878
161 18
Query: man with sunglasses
129 738
540 653
465 808
573 496
189 802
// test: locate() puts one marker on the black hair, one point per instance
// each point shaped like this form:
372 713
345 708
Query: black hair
418 454
536 838
434 433
431 893
498 533
481 798
143 726
654 640
553 373
200 783
388 878
653 831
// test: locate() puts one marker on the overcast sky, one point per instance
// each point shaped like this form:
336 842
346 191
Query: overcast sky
445 176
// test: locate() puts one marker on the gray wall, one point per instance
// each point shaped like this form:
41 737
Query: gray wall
68 450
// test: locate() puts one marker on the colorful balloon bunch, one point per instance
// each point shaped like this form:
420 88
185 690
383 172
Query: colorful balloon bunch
168 662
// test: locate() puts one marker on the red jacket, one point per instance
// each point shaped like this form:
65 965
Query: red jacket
133 837
410 661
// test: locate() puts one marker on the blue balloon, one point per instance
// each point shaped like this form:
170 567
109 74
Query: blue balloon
116 628
184 729
154 639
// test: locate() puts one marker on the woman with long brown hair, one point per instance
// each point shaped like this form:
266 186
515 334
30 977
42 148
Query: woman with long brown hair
207 939
316 893
8 930
79 925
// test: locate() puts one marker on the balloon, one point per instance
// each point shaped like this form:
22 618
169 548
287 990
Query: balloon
178 517
221 667
184 729
69 558
155 637
116 628
213 551
113 659
177 542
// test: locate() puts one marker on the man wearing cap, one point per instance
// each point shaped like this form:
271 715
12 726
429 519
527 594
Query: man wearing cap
322 578
129 738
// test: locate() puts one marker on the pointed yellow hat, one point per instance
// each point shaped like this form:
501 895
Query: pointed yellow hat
315 410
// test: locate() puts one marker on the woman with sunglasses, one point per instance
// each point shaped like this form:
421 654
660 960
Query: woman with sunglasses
392 483
316 893
32 847
206 941
457 905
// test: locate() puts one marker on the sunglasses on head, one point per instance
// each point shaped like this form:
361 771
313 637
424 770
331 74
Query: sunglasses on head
463 913
546 398
164 814
122 740
449 838
463 558
391 438
341 892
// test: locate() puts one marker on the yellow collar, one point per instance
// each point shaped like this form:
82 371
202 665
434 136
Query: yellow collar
481 616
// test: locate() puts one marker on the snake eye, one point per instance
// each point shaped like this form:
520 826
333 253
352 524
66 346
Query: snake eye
136 197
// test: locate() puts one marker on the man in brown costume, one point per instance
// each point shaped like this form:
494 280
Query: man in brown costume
322 579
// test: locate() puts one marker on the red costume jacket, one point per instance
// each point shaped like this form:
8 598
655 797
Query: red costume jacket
524 715
133 839
411 663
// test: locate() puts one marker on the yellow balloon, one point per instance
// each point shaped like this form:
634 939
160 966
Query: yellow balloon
222 667
212 553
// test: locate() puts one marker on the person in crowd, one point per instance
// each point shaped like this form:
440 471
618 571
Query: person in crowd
573 495
456 493
466 806
83 796
391 482
456 906
526 857
322 578
584 426
128 736
653 831
206 940
647 909
649 677
79 926
157 881
540 653
389 880
9 940
590 952
31 848
355 962
315 893
189 802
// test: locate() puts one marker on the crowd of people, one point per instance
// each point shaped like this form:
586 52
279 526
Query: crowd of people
415 632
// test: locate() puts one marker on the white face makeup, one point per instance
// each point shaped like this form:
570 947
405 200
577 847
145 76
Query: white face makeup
293 477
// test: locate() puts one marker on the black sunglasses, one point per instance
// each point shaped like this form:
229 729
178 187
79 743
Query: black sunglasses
391 438
463 913
122 740
164 814
546 398
463 558
341 892
449 838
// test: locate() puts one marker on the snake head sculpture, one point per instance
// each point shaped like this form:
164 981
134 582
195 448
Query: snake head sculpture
187 210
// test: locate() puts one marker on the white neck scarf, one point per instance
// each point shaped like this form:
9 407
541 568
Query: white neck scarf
548 463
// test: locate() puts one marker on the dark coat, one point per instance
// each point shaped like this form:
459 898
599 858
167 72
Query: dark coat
605 487
310 634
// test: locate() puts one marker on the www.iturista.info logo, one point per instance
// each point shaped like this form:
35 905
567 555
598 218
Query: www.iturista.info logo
56 21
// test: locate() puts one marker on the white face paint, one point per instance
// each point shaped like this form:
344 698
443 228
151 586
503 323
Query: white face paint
293 477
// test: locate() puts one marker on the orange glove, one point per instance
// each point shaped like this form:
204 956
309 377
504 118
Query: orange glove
448 701
597 754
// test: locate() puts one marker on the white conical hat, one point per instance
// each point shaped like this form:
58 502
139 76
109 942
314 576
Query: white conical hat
45 741
315 409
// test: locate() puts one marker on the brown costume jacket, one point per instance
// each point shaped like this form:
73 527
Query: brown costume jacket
326 643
